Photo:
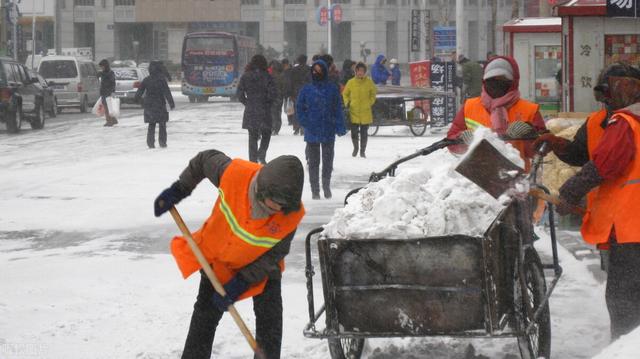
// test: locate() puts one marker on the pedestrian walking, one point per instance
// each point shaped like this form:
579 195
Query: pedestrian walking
276 108
472 73
299 76
156 94
320 112
607 147
379 72
257 92
395 72
359 95
348 72
107 88
246 238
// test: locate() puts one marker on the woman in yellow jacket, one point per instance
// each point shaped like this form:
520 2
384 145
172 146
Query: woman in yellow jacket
359 95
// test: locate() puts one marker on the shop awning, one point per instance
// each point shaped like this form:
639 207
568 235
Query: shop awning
582 8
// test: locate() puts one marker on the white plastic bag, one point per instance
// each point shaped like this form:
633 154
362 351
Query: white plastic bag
98 108
113 103
289 107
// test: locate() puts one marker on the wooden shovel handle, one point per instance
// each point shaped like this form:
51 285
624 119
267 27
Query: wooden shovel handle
538 193
215 282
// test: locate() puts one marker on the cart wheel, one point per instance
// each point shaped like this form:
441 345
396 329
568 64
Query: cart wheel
418 122
346 348
538 342
372 130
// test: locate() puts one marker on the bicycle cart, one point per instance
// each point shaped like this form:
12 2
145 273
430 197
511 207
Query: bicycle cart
400 106
491 286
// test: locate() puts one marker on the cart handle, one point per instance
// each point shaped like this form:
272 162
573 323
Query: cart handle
309 273
391 169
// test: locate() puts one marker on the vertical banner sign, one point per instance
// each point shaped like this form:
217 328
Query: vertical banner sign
419 73
450 78
442 79
622 8
427 34
415 30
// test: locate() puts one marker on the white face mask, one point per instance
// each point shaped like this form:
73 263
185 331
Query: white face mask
392 65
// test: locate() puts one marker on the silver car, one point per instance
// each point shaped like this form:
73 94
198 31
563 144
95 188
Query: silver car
74 81
128 80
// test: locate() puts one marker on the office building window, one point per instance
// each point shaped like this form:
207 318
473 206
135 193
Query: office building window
290 2
83 3
341 2
125 2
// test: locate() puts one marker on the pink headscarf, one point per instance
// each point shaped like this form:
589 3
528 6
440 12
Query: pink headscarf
499 107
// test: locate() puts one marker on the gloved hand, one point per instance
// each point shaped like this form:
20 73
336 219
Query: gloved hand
168 198
234 288
466 136
520 129
576 187
554 143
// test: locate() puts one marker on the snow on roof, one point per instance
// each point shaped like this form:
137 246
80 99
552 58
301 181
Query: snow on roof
534 24
582 8
536 21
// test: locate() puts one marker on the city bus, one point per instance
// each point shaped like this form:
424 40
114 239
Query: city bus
212 63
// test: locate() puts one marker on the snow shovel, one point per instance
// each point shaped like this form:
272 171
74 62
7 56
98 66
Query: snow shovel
490 169
496 174
215 282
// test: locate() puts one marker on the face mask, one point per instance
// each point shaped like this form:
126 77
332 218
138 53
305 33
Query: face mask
392 65
497 88
317 76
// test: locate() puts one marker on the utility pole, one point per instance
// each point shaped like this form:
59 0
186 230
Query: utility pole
460 28
58 19
33 33
492 30
3 23
14 19
329 25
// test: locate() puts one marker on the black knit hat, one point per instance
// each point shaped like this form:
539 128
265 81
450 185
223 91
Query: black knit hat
282 180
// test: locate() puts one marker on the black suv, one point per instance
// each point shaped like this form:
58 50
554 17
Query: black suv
20 97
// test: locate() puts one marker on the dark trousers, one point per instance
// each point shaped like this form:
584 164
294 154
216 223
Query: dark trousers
295 123
359 131
276 117
264 137
106 108
267 308
314 153
623 288
162 134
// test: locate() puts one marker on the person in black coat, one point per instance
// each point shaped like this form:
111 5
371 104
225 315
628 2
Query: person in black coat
257 92
299 76
276 108
155 108
107 88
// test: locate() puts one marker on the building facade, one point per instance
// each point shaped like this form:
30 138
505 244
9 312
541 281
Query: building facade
148 29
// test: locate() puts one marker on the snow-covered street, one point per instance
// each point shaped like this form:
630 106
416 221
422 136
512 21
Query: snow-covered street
86 270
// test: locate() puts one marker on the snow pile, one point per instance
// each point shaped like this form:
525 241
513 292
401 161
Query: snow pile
423 202
627 347
508 151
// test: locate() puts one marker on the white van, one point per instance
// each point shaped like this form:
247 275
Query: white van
74 81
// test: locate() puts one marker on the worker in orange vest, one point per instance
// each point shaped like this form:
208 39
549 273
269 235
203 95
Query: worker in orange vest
498 107
607 147
245 239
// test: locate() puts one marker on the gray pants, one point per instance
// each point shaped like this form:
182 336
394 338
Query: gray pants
162 134
623 288
315 152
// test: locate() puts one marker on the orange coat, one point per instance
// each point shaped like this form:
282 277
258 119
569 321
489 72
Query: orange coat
231 239
475 115
614 202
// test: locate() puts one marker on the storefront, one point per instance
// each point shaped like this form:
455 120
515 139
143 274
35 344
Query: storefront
535 44
591 41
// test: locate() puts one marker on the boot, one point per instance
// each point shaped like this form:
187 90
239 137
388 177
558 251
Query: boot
355 147
326 187
315 195
363 147
114 121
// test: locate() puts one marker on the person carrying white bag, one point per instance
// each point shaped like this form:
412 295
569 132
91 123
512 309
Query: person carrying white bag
111 105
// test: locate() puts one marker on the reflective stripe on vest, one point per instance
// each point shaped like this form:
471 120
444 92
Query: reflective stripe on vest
240 232
471 124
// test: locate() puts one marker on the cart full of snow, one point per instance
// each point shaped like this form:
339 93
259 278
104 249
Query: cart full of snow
428 253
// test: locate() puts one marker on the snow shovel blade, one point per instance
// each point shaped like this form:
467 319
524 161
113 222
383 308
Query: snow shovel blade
489 169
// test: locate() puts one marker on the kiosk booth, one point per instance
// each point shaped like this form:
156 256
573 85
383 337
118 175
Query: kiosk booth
536 44
591 40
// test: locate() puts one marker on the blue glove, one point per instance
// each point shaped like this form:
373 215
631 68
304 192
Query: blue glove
168 198
234 288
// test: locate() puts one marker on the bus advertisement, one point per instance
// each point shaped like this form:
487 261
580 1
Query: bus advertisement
212 63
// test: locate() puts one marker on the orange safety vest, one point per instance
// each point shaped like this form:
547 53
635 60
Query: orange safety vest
615 203
231 239
476 115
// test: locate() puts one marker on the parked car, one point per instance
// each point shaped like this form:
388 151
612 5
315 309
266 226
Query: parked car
20 98
128 81
74 81
50 102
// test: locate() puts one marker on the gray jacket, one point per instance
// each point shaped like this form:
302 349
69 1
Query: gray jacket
212 164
